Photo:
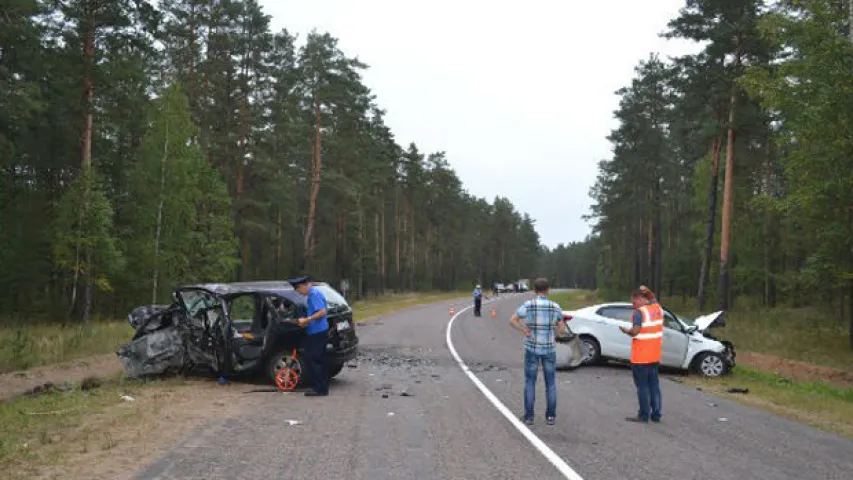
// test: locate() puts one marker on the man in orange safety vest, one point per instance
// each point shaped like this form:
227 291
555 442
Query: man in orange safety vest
647 333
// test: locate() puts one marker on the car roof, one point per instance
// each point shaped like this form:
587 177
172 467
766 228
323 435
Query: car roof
270 286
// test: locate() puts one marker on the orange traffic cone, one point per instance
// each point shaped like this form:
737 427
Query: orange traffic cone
452 311
494 314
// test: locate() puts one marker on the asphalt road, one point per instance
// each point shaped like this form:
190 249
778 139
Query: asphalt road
446 428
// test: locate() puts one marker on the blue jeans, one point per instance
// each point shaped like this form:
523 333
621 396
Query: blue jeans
648 390
531 371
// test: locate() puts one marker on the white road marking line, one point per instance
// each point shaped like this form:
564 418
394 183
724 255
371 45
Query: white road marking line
544 449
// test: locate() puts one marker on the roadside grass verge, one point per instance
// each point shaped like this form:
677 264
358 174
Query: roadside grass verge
42 430
819 404
574 299
365 310
97 434
24 345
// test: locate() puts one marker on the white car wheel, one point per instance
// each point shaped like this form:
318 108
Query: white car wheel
591 350
711 365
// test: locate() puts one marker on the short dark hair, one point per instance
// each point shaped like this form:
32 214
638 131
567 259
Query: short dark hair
540 285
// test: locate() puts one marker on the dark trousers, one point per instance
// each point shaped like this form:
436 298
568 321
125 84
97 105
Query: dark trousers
648 390
478 302
314 352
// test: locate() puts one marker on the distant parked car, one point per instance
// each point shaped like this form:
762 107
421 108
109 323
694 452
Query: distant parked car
233 328
686 343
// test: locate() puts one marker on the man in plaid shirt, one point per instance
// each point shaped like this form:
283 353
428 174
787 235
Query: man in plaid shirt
539 319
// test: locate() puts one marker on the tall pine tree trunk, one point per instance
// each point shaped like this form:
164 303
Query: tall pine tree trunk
278 244
710 224
158 230
397 238
728 197
86 154
316 169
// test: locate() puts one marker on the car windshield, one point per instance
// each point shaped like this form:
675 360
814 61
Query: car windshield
334 299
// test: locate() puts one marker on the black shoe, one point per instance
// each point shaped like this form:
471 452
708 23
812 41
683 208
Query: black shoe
527 420
550 420
312 393
637 420
656 419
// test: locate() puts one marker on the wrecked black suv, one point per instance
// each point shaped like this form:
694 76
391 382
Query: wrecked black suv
233 328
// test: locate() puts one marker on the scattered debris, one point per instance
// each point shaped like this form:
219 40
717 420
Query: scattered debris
352 365
738 390
390 414
712 404
405 393
676 380
292 423
722 419
417 381
384 395
699 389
222 381
127 398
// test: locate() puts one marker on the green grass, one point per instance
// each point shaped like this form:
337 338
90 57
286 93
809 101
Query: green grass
574 299
818 404
39 430
365 310
50 430
24 345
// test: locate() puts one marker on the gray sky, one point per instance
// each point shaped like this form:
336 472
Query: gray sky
519 94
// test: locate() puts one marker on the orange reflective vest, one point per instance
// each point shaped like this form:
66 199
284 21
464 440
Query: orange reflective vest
645 347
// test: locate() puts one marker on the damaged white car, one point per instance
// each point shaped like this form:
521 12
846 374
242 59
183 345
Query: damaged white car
686 343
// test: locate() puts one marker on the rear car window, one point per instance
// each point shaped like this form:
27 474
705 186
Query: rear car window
617 313
333 298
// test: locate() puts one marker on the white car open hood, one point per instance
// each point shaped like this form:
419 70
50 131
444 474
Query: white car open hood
706 321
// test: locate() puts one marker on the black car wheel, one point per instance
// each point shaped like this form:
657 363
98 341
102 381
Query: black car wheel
284 359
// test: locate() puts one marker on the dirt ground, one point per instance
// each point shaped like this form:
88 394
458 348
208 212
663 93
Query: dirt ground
16 383
795 370
115 442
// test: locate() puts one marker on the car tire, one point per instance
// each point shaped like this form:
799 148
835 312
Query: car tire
710 365
335 369
277 360
593 350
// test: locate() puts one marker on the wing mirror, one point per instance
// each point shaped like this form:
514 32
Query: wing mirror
692 328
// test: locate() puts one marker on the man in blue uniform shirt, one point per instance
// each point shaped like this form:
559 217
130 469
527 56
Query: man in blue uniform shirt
316 326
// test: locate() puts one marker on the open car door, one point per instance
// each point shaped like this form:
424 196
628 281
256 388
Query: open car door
210 330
